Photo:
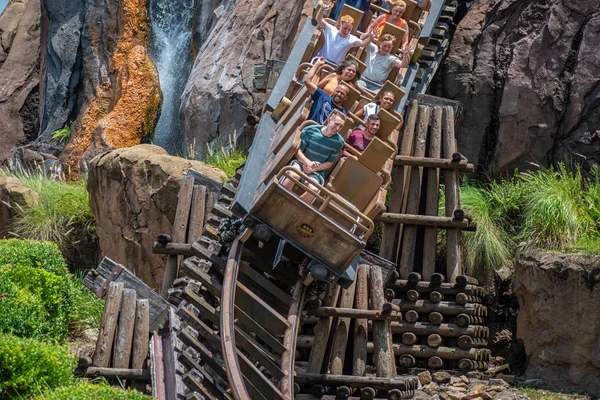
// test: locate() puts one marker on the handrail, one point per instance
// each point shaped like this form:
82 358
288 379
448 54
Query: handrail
331 200
232 365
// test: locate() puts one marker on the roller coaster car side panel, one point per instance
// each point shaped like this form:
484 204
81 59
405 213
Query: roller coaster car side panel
307 229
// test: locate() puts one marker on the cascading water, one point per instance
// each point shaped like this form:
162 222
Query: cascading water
171 52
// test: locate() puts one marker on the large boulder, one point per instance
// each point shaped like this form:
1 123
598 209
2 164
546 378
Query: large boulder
19 74
121 91
559 319
219 94
13 195
133 195
528 74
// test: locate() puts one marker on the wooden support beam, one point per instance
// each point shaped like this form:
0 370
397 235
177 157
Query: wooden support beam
118 373
317 355
445 308
340 332
434 162
414 196
423 220
402 285
375 315
451 184
383 358
433 192
197 213
389 244
172 249
445 353
108 325
359 354
124 338
378 383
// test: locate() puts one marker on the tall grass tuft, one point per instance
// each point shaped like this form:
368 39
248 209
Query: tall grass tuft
490 247
228 159
556 213
61 215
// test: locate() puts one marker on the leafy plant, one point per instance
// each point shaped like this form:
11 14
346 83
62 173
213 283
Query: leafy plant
29 366
44 255
228 159
87 390
62 134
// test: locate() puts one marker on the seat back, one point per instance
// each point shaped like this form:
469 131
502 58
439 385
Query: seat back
353 96
395 31
398 93
355 182
387 124
412 11
361 66
376 154
355 13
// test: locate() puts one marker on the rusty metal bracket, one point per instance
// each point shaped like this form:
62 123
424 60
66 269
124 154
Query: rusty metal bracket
112 277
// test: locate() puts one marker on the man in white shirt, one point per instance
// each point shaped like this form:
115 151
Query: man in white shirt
338 40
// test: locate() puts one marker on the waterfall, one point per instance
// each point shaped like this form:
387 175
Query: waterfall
172 22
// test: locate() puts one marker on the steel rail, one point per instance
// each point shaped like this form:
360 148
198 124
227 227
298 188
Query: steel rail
232 366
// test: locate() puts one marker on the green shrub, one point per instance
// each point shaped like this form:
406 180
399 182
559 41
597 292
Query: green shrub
45 255
228 159
28 367
48 298
88 391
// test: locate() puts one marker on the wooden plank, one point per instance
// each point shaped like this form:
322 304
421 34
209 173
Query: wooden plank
372 315
379 383
433 191
197 213
361 332
119 373
340 332
124 338
389 243
179 233
414 196
108 325
257 352
435 162
317 355
423 220
269 286
257 309
158 368
140 334
381 331
453 237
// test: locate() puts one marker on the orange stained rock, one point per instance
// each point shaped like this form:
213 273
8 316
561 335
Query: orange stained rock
134 115
136 99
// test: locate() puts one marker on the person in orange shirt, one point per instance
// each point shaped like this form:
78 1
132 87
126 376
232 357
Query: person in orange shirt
345 72
397 9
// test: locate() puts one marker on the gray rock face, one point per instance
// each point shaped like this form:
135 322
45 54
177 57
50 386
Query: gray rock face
133 195
62 24
528 74
19 74
559 299
13 194
219 94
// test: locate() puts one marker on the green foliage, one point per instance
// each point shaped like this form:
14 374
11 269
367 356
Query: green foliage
29 366
539 394
228 159
556 214
61 215
87 391
490 246
44 255
62 134
549 208
39 298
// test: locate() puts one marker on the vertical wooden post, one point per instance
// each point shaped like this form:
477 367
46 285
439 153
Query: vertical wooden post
414 196
433 191
453 236
359 353
123 343
383 352
340 334
141 334
389 244
317 354
179 232
108 325
197 216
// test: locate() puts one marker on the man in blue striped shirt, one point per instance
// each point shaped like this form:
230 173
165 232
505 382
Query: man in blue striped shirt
320 146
